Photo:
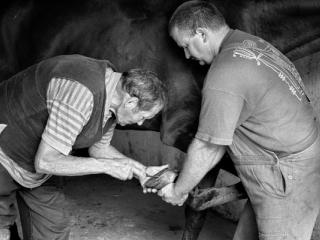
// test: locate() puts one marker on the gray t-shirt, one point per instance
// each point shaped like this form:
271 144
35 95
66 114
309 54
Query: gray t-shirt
253 98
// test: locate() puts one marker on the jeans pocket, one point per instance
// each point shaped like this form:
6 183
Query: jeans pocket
275 180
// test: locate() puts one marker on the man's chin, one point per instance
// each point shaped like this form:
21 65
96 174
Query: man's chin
202 63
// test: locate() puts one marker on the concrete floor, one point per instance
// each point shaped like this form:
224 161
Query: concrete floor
103 208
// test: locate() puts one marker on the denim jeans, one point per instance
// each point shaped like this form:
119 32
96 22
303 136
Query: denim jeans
284 194
41 209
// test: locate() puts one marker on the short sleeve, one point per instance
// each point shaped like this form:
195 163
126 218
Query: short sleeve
220 112
70 106
106 138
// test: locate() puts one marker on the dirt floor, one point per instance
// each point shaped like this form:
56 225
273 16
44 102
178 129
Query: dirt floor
103 208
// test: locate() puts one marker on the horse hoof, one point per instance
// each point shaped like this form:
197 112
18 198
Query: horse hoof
201 199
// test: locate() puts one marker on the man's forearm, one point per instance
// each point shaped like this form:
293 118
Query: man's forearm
49 160
105 151
110 152
76 166
201 157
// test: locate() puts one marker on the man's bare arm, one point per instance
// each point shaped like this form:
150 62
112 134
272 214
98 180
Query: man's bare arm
107 151
201 157
50 161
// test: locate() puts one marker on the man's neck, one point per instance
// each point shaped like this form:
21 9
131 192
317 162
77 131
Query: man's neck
117 97
217 37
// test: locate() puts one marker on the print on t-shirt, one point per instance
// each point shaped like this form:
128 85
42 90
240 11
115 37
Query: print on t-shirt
272 58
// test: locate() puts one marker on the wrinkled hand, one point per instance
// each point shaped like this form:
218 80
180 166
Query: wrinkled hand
122 169
169 195
150 171
139 170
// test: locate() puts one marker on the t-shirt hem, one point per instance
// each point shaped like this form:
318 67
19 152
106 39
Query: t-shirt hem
56 145
213 140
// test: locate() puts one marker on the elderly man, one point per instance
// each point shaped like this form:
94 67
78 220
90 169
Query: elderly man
255 107
53 107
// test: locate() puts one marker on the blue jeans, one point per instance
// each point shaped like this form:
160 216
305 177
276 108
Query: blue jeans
284 195
41 209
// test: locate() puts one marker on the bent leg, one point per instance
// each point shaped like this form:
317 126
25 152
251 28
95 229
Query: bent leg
42 213
195 219
194 223
208 196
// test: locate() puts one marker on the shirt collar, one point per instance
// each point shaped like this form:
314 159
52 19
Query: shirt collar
225 39
111 80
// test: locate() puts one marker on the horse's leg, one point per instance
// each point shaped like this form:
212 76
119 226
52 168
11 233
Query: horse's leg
194 220
203 198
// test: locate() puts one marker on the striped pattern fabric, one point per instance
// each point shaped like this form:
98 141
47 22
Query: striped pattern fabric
107 137
70 105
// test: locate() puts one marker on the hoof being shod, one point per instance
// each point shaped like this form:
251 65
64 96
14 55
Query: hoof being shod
201 199
161 179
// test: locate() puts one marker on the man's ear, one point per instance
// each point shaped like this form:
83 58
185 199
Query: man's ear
131 102
203 33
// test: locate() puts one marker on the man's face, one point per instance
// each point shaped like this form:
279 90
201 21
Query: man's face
129 113
195 46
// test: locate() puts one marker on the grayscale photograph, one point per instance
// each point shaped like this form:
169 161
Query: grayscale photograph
159 119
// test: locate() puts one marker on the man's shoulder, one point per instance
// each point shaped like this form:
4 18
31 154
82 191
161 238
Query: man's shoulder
230 64
240 52
233 73
243 40
76 63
